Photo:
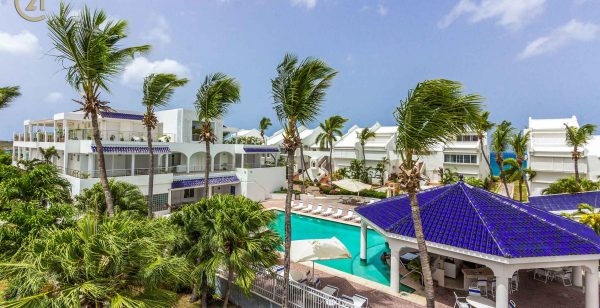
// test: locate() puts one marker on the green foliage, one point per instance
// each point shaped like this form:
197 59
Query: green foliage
448 176
48 153
570 185
244 140
42 184
121 261
8 95
578 137
263 125
587 215
363 193
341 173
358 171
475 182
5 159
126 197
332 129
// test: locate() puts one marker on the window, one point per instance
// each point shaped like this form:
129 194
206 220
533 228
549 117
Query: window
159 202
460 158
188 193
467 138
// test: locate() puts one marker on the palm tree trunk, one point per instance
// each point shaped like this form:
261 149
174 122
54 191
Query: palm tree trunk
575 160
330 165
487 159
150 172
227 290
304 171
102 165
420 236
207 170
288 225
526 185
521 189
499 161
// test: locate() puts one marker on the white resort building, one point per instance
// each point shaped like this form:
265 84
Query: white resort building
249 170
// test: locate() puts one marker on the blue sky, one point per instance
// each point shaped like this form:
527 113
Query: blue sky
526 57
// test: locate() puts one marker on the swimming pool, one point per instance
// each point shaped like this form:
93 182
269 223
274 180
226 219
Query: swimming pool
304 227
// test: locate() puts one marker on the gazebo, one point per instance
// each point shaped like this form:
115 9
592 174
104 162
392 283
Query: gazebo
468 223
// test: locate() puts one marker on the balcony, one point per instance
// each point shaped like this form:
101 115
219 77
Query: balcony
85 174
122 136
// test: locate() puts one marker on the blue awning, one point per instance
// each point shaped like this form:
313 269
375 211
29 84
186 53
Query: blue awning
565 202
132 149
120 115
200 182
261 149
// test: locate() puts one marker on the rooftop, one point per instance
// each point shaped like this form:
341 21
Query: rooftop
565 202
552 123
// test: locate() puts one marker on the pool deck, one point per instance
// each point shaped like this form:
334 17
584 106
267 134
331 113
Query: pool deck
531 293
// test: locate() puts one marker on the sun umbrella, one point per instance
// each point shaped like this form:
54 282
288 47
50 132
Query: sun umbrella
352 185
318 249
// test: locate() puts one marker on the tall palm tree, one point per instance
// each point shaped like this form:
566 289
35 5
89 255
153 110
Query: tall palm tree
8 95
264 124
434 112
518 142
298 93
484 125
89 48
48 153
577 138
158 89
500 142
332 129
216 94
363 136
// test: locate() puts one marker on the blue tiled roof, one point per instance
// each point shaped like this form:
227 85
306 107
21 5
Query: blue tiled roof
565 202
132 150
261 149
120 115
200 182
471 218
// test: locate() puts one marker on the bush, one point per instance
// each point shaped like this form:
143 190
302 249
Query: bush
570 185
475 182
5 159
363 193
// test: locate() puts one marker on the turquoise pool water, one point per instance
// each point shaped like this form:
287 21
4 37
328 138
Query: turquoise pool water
304 227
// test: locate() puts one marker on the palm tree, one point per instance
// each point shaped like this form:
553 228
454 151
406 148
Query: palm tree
500 142
577 138
8 95
434 112
332 129
570 185
41 183
216 94
264 124
298 93
89 48
48 153
158 89
239 239
587 215
482 128
363 136
126 197
516 171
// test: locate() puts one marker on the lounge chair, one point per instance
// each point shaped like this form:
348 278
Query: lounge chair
371 201
338 214
357 300
357 218
481 284
329 211
565 277
308 208
511 304
318 210
538 272
350 215
461 302
298 206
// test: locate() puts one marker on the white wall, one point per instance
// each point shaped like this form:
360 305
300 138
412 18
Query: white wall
258 184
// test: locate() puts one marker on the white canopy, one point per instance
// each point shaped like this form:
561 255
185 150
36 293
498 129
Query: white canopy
351 185
318 249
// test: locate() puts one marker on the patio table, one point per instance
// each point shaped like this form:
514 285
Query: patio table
472 274
480 302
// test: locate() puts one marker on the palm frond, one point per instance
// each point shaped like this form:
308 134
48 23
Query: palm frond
8 95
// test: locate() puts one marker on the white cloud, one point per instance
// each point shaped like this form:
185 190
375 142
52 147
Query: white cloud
382 10
512 14
160 32
54 97
308 4
573 31
140 67
21 43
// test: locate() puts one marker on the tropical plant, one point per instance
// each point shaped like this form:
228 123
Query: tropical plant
214 98
8 95
448 176
475 182
42 184
126 197
363 136
332 129
578 138
244 140
158 89
587 215
380 169
48 154
89 48
516 170
482 127
264 124
341 173
434 112
5 159
570 185
121 261
500 142
299 90
358 170
236 230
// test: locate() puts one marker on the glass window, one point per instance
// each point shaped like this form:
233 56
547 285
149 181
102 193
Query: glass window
188 193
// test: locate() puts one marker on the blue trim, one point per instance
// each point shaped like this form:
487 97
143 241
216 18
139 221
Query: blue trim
132 150
119 115
199 182
260 150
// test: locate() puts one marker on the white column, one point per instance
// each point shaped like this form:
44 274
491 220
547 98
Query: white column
577 276
502 286
242 164
395 270
90 164
66 152
591 287
363 241
132 164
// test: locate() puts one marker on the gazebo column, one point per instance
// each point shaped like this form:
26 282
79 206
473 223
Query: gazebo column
502 287
395 269
577 277
591 286
363 241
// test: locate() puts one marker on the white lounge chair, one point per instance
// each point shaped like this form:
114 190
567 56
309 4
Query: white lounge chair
565 277
318 210
356 300
461 302
538 272
350 215
329 211
338 214
357 218
371 201
298 206
308 208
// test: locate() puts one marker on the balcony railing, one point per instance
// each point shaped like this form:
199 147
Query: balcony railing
114 135
84 174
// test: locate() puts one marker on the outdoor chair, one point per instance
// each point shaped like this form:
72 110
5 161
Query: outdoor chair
514 282
474 291
315 281
512 304
318 210
298 206
357 300
330 290
357 219
329 211
350 215
308 208
481 284
565 277
538 272
461 302
338 214
371 201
